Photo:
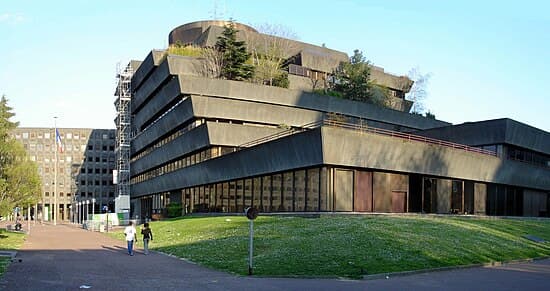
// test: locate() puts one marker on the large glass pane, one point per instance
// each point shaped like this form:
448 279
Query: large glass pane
312 193
201 199
207 198
225 197
232 193
240 196
323 190
266 193
288 191
247 193
276 204
257 193
299 190
218 202
187 199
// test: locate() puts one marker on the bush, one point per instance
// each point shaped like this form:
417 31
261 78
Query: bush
174 209
281 80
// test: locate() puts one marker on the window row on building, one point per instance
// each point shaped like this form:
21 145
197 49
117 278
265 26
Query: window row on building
327 189
184 161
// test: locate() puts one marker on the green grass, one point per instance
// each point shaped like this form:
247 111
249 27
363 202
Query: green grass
348 246
9 241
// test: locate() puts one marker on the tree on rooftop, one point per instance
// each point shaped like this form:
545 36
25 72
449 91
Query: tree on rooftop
270 53
352 81
418 91
235 55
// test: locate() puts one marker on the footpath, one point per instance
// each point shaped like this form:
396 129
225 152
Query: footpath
65 257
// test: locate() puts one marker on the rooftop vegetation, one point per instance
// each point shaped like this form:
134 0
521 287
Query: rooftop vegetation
348 246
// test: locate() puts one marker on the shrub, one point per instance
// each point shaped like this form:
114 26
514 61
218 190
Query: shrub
174 209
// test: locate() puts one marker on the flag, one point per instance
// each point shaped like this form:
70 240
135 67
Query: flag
58 141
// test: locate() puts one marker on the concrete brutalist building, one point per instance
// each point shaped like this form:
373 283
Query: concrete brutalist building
215 145
84 169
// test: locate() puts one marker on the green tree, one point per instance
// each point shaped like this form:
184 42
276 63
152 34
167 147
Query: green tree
352 80
19 179
235 55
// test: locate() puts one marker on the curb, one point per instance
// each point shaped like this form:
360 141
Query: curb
450 268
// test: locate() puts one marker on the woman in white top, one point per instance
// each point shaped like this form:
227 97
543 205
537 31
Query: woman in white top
130 232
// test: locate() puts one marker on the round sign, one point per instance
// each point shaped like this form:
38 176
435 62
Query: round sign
251 213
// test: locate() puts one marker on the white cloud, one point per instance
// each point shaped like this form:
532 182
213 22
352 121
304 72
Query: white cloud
12 18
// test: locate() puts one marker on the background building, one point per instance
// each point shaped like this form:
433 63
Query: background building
84 168
215 145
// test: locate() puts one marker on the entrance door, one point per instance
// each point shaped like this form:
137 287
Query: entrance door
398 201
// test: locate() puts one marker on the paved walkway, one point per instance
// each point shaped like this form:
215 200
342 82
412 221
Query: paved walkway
64 257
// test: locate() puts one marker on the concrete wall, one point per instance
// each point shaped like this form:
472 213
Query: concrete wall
153 59
296 98
365 150
158 104
297 151
498 131
178 116
206 135
220 108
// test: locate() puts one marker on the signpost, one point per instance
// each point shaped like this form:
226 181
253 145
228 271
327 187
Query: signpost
251 214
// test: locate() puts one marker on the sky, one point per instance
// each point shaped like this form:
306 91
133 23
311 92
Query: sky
486 59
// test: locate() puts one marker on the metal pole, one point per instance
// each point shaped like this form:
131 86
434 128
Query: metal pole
251 248
29 220
55 172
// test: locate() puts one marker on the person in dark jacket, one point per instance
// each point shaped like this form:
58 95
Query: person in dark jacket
147 235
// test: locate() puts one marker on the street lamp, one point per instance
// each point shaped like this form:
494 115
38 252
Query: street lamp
87 209
93 212
93 207
79 212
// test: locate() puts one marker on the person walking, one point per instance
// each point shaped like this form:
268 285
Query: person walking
147 235
130 232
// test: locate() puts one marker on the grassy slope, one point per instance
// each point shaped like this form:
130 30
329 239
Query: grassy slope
348 246
9 241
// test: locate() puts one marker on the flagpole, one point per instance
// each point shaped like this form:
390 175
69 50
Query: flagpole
55 173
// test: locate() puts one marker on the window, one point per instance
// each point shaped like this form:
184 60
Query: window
47 194
47 135
90 147
25 135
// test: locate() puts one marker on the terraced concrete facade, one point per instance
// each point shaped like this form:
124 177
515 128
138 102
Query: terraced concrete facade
215 145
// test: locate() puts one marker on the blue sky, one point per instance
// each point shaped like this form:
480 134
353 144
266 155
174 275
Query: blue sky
487 59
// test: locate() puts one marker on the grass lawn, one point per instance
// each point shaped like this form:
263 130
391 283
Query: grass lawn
347 246
9 241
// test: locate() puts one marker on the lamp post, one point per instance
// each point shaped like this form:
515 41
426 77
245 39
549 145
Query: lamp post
87 209
93 212
93 207
55 206
79 212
